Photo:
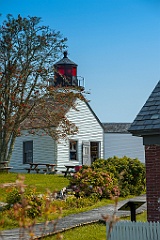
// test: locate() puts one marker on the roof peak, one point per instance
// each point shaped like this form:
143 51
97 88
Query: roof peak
148 119
65 60
65 54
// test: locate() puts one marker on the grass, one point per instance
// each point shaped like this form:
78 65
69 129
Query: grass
96 231
42 182
142 217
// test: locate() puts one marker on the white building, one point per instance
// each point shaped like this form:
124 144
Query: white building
93 140
119 142
82 148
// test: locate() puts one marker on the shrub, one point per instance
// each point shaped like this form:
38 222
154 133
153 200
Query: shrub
73 202
32 200
88 182
25 205
35 204
130 173
13 197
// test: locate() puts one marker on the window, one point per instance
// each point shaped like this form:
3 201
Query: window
94 148
73 150
28 152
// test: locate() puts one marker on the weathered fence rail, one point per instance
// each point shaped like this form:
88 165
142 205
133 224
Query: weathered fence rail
127 230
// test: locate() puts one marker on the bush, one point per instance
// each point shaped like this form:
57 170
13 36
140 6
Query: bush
35 204
25 205
13 197
130 173
98 184
73 202
32 200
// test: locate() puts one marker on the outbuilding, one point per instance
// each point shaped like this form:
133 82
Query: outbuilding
119 142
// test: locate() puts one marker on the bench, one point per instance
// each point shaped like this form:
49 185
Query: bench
5 169
33 169
69 173
50 172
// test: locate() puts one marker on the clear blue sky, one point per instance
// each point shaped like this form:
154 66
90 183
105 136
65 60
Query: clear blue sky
116 44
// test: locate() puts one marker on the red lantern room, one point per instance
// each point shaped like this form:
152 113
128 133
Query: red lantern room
65 73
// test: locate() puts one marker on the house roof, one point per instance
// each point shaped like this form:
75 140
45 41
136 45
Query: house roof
49 111
42 116
116 127
147 122
65 61
94 115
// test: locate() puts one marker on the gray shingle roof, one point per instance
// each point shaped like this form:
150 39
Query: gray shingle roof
65 60
148 119
116 127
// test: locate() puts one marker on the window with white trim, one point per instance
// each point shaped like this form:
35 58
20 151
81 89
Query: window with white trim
73 147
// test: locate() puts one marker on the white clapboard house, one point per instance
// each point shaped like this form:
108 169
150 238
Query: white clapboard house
81 148
119 142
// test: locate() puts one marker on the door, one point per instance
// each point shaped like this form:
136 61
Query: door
94 151
86 153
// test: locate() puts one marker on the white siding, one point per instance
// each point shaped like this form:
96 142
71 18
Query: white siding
119 144
43 150
89 129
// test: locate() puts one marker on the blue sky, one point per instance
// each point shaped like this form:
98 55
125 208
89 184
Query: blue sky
116 44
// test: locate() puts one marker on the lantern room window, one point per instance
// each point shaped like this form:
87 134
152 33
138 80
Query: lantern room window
74 71
61 70
68 71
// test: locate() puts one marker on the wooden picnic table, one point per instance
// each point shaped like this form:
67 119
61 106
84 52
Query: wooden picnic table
49 167
69 169
4 166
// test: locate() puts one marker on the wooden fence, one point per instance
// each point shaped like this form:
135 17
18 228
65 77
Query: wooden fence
127 230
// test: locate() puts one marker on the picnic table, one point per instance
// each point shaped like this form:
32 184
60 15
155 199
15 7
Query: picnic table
4 166
49 167
69 170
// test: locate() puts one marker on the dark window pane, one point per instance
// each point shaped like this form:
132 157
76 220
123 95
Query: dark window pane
28 152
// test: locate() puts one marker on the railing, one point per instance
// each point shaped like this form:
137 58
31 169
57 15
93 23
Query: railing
80 81
75 81
127 230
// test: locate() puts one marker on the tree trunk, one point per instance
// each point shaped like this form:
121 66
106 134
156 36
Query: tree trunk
7 148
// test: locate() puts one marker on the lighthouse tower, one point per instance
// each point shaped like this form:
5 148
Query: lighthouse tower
65 74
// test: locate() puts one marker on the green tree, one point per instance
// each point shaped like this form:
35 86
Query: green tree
27 56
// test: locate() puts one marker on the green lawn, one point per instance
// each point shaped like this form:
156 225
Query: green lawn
56 182
40 181
142 217
96 231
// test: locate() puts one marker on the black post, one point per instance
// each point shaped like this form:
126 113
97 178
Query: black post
132 206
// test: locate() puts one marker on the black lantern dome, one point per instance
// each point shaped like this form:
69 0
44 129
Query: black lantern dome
65 73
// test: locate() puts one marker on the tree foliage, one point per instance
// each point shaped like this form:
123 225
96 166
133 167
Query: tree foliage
130 173
28 53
